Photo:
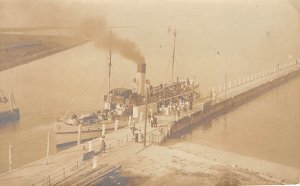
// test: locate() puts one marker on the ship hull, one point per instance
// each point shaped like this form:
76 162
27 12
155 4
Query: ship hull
62 128
67 135
65 140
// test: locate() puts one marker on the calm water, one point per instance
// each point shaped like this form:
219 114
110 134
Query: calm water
213 38
266 128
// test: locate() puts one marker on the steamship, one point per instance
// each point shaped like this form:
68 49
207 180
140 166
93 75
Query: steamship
120 103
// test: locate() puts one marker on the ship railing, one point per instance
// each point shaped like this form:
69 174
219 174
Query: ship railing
167 95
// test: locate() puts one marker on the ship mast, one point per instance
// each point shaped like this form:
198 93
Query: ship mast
109 64
110 52
173 56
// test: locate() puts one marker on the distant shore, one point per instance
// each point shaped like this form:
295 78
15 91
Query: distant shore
192 164
19 49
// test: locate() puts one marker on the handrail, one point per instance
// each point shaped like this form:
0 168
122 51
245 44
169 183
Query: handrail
70 169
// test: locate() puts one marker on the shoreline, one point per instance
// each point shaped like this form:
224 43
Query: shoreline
192 164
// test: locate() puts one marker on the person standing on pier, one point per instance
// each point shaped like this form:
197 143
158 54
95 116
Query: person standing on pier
151 121
140 136
102 145
155 118
136 135
133 128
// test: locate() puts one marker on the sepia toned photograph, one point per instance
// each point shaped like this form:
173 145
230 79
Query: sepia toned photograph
149 92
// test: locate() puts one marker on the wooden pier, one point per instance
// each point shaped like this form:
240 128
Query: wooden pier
66 167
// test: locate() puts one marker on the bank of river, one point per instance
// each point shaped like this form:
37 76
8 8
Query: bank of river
192 164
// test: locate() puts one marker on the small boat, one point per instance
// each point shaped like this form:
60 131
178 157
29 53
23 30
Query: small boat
9 112
90 122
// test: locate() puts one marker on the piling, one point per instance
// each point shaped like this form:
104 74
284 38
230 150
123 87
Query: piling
13 99
129 120
79 134
2 94
11 103
94 162
141 116
103 129
116 124
48 145
90 146
10 157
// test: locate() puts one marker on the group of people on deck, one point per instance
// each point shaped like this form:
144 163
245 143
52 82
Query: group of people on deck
175 108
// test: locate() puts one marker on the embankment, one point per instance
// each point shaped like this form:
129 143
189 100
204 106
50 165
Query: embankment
192 164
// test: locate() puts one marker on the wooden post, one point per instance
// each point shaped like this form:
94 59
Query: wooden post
90 146
116 124
48 145
11 103
10 157
129 121
79 134
2 94
146 118
141 116
103 129
13 99
225 86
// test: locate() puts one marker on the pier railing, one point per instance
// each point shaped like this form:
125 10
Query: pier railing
61 173
231 88
66 171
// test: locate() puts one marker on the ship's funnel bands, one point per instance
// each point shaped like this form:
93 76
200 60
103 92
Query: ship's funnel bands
78 17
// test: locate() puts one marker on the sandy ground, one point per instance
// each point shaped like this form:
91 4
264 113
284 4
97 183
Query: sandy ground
192 164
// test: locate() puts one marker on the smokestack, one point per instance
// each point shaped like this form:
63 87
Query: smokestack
140 78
